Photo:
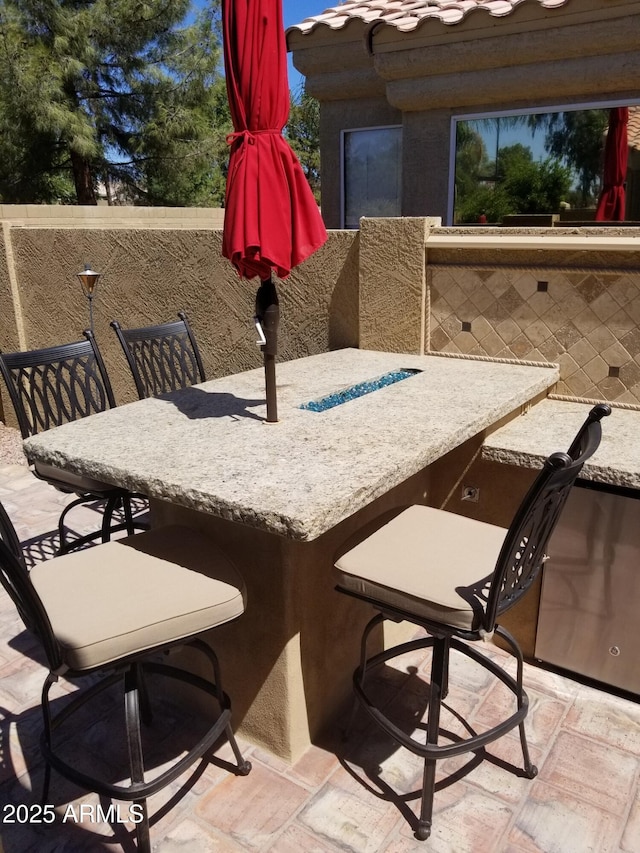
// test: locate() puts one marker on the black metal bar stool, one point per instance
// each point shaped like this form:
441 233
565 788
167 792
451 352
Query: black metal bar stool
161 358
109 613
454 577
50 387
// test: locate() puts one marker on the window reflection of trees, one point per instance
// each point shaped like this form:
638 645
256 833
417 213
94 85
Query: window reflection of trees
542 163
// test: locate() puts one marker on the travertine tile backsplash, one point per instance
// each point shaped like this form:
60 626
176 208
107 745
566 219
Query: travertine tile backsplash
586 320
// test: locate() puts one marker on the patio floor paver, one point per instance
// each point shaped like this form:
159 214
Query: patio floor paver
350 795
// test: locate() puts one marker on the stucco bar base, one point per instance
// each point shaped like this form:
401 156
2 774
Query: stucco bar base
287 663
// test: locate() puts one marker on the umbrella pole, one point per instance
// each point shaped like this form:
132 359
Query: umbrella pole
268 314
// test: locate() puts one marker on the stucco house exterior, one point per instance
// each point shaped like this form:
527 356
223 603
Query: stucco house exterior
393 76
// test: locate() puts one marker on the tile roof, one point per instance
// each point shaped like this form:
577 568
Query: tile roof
406 15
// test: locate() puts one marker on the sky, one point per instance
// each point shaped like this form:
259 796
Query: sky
294 11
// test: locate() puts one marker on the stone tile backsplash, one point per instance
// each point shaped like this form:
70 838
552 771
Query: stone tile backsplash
586 320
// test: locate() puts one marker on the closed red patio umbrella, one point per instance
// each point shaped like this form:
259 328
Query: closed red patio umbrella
272 221
611 204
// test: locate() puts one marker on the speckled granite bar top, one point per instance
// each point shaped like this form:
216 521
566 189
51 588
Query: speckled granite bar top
551 426
208 447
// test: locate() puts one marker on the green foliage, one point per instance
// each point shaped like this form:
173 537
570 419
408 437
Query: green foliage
471 160
303 134
189 167
517 184
577 138
118 92
533 187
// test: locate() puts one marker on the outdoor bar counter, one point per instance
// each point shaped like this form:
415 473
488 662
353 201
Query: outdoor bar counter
282 498
526 442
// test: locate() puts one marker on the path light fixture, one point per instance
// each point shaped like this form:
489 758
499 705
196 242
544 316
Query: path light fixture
89 281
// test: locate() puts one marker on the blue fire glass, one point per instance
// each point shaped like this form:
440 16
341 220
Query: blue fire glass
359 390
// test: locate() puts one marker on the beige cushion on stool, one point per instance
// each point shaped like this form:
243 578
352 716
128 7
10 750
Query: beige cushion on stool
136 593
431 563
74 482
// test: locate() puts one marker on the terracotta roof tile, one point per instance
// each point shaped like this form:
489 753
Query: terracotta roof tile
407 14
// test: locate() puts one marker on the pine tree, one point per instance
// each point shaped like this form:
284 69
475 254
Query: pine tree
303 134
119 92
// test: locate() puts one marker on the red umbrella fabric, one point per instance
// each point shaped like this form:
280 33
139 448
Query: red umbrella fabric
611 204
272 221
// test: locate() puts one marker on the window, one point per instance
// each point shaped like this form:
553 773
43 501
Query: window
537 164
371 172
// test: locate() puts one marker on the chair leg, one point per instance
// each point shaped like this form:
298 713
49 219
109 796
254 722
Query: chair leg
107 517
46 716
530 769
146 714
64 548
136 760
106 527
439 676
128 515
61 537
137 709
444 684
362 671
242 765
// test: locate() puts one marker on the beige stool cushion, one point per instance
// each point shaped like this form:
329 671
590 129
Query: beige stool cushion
433 564
69 481
132 594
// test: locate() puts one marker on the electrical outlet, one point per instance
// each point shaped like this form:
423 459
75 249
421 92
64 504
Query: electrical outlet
471 494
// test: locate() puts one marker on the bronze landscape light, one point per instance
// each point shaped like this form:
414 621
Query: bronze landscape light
89 282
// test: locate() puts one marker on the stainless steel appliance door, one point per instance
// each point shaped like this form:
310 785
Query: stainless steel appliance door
589 620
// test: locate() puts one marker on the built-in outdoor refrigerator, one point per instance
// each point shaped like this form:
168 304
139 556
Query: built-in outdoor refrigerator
589 620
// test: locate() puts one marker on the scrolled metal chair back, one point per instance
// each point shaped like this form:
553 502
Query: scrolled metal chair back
52 386
524 548
161 358
14 577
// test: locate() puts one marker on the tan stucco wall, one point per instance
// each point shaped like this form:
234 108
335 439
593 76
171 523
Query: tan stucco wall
10 339
393 284
397 285
102 215
150 273
425 157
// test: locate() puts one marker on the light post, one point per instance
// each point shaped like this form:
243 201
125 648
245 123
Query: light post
89 281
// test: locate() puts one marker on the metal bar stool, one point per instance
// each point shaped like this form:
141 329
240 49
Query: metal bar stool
50 387
454 577
109 613
161 358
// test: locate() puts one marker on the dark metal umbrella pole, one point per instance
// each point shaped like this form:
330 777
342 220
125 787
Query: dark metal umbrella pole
271 219
268 316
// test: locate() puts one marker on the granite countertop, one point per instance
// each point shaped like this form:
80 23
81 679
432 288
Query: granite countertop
552 424
209 447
